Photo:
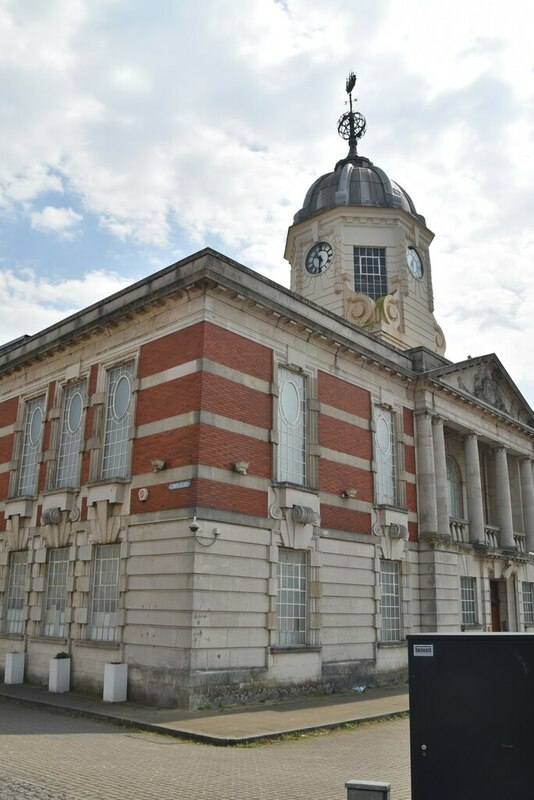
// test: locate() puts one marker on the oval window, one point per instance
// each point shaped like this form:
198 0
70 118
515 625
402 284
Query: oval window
121 397
74 414
290 403
36 424
383 438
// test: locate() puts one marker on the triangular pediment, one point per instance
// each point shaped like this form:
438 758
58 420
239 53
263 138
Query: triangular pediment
485 379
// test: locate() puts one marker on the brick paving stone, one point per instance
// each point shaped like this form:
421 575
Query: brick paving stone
47 756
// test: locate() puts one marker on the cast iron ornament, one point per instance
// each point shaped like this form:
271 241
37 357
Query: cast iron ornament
351 125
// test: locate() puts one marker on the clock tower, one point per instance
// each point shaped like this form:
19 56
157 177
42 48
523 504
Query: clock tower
359 248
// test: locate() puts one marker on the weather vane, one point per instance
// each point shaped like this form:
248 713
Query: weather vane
351 125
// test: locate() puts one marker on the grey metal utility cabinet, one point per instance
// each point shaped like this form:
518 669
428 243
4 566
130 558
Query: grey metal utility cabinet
367 790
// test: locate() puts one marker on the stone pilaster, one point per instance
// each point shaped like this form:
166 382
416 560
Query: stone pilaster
475 506
440 468
504 500
527 496
426 476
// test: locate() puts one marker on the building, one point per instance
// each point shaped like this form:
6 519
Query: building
245 491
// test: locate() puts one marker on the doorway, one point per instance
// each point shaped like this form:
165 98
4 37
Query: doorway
499 617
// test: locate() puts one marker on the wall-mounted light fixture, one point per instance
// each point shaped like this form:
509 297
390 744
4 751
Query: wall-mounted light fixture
204 538
350 493
241 467
158 464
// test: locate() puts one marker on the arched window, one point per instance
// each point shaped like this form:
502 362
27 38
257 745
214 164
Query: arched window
454 489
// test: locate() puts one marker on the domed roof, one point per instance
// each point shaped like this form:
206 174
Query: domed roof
355 181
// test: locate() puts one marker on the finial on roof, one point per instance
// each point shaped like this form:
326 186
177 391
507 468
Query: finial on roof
351 125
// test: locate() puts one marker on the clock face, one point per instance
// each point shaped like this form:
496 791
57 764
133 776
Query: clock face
415 265
319 258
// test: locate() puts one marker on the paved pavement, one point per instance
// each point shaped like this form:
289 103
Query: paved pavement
236 725
51 756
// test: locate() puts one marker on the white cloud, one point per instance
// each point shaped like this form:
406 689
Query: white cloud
62 221
183 122
29 303
25 187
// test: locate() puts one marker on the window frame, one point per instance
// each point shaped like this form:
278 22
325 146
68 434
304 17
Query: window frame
527 592
16 591
292 628
468 601
104 593
373 280
30 456
117 431
391 620
50 627
70 444
455 495
292 456
387 488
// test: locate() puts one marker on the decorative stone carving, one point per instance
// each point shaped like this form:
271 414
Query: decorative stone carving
297 523
51 516
16 535
392 540
503 570
388 310
439 339
363 310
398 531
360 309
305 515
488 386
75 513
57 527
487 383
275 512
105 528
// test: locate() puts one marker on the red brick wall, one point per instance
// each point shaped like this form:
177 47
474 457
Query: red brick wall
47 435
237 352
4 491
345 396
221 449
230 399
212 494
171 350
161 498
177 447
169 399
199 443
335 478
209 341
407 414
206 493
6 448
409 458
409 462
89 422
8 411
8 416
345 438
345 519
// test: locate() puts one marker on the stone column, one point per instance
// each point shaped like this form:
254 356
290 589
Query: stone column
440 468
504 500
473 486
426 477
527 497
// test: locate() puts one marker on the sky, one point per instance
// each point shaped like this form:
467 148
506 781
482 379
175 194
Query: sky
136 132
